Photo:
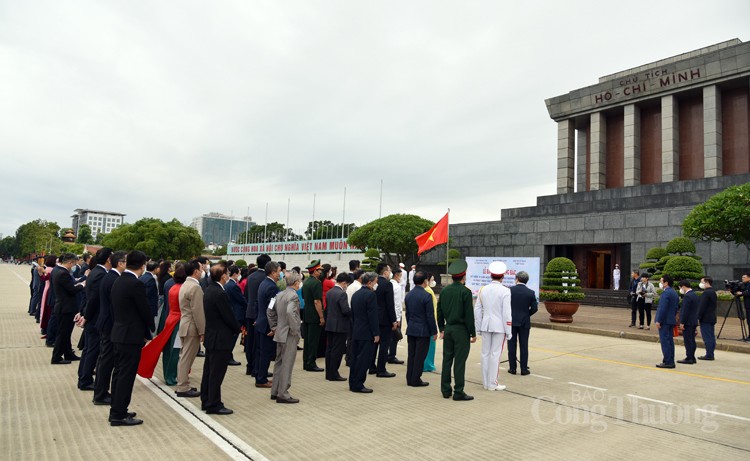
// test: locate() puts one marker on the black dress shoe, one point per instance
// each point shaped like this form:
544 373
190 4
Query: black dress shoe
87 387
74 358
125 422
190 393
512 371
525 372
446 396
220 411
396 361
364 390
371 371
385 374
273 397
289 400
317 369
269 375
687 361
665 365
104 401
61 362
234 363
339 378
201 353
419 384
463 397
703 357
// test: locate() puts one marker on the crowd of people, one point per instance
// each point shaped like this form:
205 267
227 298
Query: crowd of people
134 310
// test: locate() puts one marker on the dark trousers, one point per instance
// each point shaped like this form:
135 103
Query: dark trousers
361 358
249 345
335 347
312 332
36 299
520 335
709 339
104 366
52 329
418 347
89 357
644 308
380 354
127 357
349 348
62 341
456 344
688 335
266 351
633 309
393 346
214 370
667 343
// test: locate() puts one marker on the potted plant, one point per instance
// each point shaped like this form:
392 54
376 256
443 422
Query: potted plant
561 290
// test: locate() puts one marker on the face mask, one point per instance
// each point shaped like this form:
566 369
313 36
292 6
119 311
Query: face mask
375 287
702 286
281 275
661 285
433 284
682 292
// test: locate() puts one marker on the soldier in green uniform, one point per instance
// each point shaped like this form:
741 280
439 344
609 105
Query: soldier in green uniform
456 324
313 321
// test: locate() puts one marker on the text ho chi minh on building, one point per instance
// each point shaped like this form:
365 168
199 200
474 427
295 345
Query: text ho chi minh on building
636 152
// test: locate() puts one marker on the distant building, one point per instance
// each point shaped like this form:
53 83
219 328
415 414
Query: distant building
98 221
220 229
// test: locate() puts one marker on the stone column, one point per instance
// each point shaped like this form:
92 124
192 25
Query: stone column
712 155
581 142
670 139
598 151
565 156
632 145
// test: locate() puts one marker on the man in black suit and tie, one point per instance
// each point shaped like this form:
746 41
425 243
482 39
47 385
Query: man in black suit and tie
688 321
237 300
131 327
152 287
365 332
386 319
106 360
338 326
90 315
707 317
523 305
220 335
251 294
420 326
66 308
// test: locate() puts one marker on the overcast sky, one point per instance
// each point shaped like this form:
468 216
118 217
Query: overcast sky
172 109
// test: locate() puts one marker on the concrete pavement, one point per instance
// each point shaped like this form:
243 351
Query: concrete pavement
588 397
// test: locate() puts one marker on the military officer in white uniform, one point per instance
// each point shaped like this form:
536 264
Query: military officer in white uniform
493 319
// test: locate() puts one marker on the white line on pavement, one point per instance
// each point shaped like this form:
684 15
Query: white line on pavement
590 387
741 418
650 400
222 437
25 282
540 376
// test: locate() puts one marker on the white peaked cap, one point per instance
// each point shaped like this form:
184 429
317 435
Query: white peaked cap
498 268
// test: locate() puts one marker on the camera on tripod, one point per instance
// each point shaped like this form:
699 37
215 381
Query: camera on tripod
733 286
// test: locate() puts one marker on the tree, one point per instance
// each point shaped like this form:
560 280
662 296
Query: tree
328 230
393 235
159 240
273 232
7 247
99 238
84 234
38 237
723 218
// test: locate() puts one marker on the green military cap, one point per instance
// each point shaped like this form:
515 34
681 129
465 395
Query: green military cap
314 264
458 267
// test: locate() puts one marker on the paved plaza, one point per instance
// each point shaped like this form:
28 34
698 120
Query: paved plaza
589 397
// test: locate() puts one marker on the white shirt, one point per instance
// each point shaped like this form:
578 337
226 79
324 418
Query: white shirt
492 313
398 299
356 285
403 285
411 278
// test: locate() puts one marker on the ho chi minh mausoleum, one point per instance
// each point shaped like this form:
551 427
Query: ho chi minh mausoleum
635 153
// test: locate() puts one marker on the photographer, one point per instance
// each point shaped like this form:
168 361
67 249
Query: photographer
745 293
645 300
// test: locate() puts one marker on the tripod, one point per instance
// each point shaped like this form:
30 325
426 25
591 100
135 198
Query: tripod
740 315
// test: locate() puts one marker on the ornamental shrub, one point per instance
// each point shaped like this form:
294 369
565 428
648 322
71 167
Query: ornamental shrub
561 282
680 246
684 267
656 253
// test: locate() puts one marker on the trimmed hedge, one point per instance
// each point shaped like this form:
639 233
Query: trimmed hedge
683 267
680 246
656 253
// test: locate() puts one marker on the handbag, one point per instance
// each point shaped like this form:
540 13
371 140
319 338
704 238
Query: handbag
397 335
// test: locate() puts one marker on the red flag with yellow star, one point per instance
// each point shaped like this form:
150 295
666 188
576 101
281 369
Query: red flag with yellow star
437 235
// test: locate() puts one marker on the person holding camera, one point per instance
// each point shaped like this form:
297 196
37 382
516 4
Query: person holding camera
745 293
645 299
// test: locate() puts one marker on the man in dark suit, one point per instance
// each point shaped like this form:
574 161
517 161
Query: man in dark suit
666 318
237 301
90 315
745 293
386 320
131 327
66 308
688 321
338 326
523 305
420 326
220 335
365 332
267 290
106 360
152 287
707 317
251 294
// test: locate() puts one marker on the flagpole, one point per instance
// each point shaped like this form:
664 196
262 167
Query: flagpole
448 241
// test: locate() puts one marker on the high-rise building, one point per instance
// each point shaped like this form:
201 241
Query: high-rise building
220 229
98 221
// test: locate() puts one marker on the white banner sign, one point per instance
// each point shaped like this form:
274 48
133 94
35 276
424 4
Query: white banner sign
478 274
295 247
